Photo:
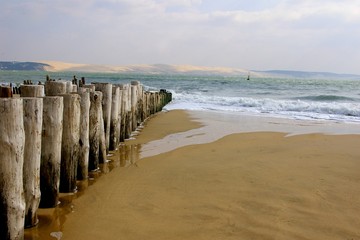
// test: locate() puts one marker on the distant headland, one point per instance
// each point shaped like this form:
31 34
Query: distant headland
56 66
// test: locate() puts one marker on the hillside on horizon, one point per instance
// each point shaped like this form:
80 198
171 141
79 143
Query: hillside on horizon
55 66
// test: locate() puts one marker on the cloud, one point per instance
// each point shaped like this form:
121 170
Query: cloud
241 33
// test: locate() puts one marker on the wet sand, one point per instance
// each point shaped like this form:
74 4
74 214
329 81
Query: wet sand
249 185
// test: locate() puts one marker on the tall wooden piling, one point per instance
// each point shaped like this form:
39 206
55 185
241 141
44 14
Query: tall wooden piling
106 89
32 91
12 141
5 92
33 111
102 139
70 142
89 86
114 130
83 164
69 87
51 150
94 128
55 88
122 112
133 103
126 121
118 127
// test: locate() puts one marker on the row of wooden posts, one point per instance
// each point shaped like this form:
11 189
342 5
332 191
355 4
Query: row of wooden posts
54 134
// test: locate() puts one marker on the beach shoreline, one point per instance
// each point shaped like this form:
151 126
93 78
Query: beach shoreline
265 184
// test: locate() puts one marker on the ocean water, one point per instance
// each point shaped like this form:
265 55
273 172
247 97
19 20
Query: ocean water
315 99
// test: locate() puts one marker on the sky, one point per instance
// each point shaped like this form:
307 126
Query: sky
305 35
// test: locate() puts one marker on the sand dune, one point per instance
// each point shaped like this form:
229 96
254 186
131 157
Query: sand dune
57 66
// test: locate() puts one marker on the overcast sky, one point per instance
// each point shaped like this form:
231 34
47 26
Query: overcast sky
310 35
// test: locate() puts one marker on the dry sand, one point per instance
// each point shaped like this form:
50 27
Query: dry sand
56 66
243 186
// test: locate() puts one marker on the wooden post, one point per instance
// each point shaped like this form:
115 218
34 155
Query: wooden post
120 114
55 88
74 88
106 89
94 127
123 112
69 87
114 131
70 142
102 139
153 102
12 141
127 111
33 110
51 151
5 92
32 91
89 86
134 98
141 116
118 125
147 104
83 164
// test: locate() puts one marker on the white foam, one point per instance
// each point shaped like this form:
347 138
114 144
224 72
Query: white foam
294 109
219 124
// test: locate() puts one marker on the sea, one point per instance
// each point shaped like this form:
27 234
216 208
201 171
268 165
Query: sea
335 100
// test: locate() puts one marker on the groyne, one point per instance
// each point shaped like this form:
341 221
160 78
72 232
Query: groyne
53 134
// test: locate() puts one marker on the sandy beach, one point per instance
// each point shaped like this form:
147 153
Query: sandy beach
247 185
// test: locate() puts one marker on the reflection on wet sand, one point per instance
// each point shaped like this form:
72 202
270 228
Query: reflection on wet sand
51 220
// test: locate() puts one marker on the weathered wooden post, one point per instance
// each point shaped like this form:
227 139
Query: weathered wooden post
70 142
106 89
94 128
102 139
89 86
127 111
141 116
147 104
33 111
12 141
134 99
5 92
32 91
122 113
83 164
153 102
55 88
118 127
114 131
51 150
69 87
157 102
